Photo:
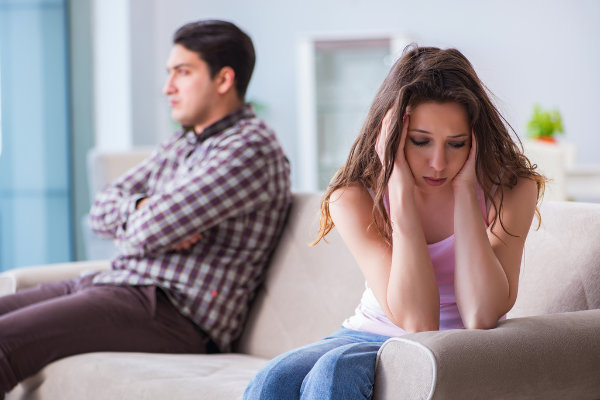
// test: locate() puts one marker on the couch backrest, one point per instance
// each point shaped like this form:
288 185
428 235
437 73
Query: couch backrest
561 262
308 291
106 166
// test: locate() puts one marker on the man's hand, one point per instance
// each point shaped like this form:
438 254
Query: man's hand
138 205
186 244
141 203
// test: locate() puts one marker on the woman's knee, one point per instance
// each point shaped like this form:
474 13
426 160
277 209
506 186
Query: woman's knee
346 372
280 378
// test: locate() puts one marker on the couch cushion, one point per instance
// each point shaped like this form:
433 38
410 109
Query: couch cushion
561 262
101 376
308 291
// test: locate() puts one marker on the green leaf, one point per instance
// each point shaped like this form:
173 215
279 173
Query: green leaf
544 123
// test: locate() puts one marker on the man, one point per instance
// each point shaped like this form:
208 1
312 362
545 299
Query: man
194 224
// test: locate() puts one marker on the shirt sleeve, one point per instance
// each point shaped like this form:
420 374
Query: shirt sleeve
230 181
113 205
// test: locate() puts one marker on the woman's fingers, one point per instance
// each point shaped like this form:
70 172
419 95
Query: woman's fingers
470 163
468 174
473 145
382 138
401 155
404 134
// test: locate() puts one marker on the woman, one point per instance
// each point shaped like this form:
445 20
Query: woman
434 202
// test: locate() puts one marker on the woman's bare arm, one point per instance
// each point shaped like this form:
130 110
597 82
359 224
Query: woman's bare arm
401 276
488 262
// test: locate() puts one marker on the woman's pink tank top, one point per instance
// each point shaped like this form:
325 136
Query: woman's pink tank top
369 317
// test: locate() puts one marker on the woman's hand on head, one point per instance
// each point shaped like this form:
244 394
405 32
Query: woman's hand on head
382 138
401 174
467 176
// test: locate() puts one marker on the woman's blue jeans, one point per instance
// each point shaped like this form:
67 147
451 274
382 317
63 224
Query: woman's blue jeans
341 366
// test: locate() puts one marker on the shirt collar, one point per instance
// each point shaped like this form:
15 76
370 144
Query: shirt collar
244 112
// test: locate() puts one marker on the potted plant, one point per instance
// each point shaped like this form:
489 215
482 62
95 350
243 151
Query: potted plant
544 124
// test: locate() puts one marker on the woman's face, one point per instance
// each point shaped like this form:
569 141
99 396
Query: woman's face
438 143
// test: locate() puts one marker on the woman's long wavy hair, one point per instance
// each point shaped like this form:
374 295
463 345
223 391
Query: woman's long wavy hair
428 74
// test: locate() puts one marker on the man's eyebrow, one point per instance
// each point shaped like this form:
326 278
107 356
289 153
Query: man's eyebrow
177 66
429 133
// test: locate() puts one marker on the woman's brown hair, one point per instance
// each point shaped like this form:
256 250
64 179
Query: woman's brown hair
429 74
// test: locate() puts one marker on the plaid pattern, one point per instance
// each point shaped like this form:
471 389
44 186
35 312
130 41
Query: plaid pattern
231 183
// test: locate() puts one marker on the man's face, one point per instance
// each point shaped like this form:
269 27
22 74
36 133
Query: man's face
192 93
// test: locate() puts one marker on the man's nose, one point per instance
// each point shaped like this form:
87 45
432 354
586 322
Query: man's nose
169 87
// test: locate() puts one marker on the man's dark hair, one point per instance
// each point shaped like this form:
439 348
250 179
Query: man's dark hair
220 44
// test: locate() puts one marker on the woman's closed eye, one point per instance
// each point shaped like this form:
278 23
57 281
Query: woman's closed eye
419 142
457 145
425 142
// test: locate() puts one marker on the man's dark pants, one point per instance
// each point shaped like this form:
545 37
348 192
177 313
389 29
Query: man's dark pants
52 321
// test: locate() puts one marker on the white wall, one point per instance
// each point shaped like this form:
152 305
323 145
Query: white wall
525 51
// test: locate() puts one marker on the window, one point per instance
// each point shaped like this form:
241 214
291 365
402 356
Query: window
339 78
34 164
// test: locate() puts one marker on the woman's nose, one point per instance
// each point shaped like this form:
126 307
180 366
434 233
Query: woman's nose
438 159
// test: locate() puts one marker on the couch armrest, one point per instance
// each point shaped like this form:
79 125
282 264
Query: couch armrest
554 356
26 277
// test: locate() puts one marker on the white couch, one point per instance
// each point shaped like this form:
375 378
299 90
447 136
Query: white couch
548 348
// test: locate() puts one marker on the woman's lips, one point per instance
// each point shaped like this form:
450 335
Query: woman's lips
435 181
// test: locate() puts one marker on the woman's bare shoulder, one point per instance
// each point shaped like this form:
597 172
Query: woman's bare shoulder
524 191
350 194
354 198
518 205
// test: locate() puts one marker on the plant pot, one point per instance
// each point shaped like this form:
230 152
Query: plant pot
547 139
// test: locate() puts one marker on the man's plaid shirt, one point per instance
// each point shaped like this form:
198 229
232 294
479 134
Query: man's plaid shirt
231 183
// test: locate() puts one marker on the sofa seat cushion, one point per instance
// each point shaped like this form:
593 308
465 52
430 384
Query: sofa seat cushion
110 375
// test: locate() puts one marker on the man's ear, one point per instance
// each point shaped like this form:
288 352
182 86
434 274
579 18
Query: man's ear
225 80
